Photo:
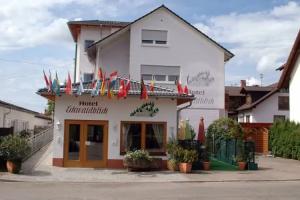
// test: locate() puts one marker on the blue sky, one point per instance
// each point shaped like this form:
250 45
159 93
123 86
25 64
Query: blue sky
34 36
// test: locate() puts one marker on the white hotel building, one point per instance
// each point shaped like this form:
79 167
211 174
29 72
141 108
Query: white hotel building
159 46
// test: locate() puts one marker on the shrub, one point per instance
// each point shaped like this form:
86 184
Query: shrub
14 148
137 155
285 139
187 156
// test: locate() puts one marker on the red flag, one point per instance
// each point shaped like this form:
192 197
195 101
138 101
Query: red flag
144 94
46 80
100 74
122 90
179 87
186 90
50 82
127 88
69 85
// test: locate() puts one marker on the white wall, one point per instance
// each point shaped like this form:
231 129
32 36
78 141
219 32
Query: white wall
118 110
88 33
25 117
265 111
189 50
115 56
294 92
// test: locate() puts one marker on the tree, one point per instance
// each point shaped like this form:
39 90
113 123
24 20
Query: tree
50 107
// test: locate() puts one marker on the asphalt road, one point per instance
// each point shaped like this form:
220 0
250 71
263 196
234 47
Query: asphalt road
143 191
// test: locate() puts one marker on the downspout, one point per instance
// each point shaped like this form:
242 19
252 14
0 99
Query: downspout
75 62
4 117
180 109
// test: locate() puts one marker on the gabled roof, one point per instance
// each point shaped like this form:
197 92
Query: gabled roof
22 109
233 91
135 90
290 64
254 104
74 26
228 54
247 89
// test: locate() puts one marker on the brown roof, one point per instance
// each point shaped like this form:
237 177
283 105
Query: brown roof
228 54
22 109
233 91
75 26
254 104
290 64
256 89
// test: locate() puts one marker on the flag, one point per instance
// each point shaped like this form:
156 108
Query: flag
56 85
80 89
100 74
152 85
50 82
103 85
179 87
127 88
46 81
186 90
69 90
113 78
122 89
144 94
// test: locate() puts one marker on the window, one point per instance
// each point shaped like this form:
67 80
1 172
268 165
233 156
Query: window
154 37
278 118
247 118
283 103
160 77
147 77
88 77
87 43
164 74
150 136
173 78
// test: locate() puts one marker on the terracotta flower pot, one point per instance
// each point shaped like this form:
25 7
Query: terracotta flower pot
172 166
242 165
206 165
185 167
13 166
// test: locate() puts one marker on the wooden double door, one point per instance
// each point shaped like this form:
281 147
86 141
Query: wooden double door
85 143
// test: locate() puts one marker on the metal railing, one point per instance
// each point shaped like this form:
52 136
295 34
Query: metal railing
40 140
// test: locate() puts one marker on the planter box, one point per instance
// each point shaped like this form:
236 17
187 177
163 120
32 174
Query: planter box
143 165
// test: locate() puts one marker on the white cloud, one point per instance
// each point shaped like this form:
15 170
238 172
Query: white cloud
30 23
262 39
252 81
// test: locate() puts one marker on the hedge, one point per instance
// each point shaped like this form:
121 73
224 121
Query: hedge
285 139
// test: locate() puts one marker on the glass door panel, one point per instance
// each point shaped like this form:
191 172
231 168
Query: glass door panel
94 142
74 142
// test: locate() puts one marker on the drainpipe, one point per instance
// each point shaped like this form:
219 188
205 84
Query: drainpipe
4 117
75 62
180 109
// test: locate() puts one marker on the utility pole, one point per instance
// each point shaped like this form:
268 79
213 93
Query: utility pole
261 79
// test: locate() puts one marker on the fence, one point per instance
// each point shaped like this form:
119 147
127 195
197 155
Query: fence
259 133
40 140
226 150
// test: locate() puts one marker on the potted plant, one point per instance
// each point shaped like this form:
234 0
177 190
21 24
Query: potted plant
172 150
206 161
138 160
240 159
186 159
14 149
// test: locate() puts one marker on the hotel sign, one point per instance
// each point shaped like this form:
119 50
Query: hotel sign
87 107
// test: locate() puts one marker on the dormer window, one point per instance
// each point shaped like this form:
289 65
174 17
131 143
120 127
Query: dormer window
156 37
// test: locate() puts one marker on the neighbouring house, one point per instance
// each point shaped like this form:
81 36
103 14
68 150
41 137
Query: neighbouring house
256 104
159 46
290 79
21 119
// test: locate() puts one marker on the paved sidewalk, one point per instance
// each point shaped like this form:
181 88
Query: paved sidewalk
38 168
